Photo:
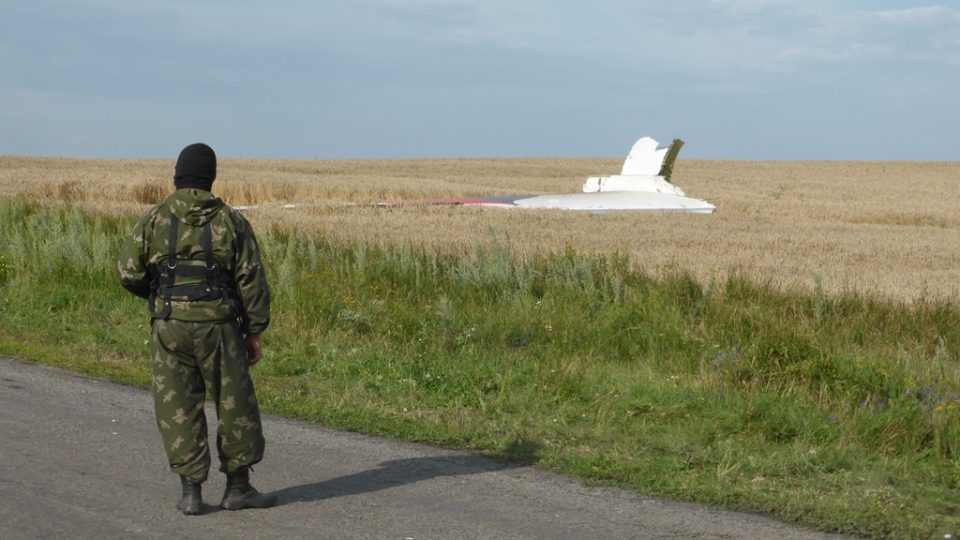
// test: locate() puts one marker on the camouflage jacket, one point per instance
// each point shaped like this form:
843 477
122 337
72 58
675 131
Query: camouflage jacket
235 249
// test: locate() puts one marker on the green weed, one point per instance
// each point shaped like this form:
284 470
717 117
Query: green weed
837 412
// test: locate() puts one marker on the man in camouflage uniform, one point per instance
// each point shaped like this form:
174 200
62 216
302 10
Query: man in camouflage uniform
196 261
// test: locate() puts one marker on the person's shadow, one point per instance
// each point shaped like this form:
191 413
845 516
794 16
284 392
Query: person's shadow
390 474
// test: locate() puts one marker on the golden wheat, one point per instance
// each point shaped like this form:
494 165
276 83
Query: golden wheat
885 228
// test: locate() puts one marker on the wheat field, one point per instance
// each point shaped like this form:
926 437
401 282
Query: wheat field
887 229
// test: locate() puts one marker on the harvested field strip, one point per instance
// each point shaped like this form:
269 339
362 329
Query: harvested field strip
884 229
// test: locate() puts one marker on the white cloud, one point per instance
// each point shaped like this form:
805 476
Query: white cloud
844 53
279 67
755 5
790 36
921 16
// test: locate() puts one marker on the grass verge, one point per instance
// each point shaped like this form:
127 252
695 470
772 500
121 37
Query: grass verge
840 413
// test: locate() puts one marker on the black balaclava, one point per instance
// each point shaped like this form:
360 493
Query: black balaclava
196 167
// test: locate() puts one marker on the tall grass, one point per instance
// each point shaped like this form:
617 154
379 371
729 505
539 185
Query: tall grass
838 411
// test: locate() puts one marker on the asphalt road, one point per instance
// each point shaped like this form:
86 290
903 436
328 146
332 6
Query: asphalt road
81 458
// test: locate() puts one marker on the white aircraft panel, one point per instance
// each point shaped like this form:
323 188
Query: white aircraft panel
644 158
618 200
645 184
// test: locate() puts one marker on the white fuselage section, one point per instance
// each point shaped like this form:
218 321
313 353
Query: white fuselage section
638 187
638 183
618 200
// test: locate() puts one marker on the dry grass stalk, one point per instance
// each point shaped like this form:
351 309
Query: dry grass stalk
887 228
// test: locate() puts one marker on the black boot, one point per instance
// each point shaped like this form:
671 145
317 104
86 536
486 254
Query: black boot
240 494
191 502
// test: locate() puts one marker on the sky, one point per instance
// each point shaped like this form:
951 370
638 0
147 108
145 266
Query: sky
332 79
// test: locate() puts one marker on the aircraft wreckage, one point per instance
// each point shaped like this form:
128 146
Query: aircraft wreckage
642 185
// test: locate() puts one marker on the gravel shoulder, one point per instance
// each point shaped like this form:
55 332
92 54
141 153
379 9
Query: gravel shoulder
81 458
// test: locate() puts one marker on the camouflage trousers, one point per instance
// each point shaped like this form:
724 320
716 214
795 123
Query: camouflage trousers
188 359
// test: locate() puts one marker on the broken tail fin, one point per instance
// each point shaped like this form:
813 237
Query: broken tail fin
666 170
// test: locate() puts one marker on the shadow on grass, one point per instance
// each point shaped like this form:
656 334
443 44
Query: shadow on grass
522 450
400 472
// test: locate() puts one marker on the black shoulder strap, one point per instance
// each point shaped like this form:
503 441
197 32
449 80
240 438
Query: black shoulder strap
167 277
174 236
206 241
